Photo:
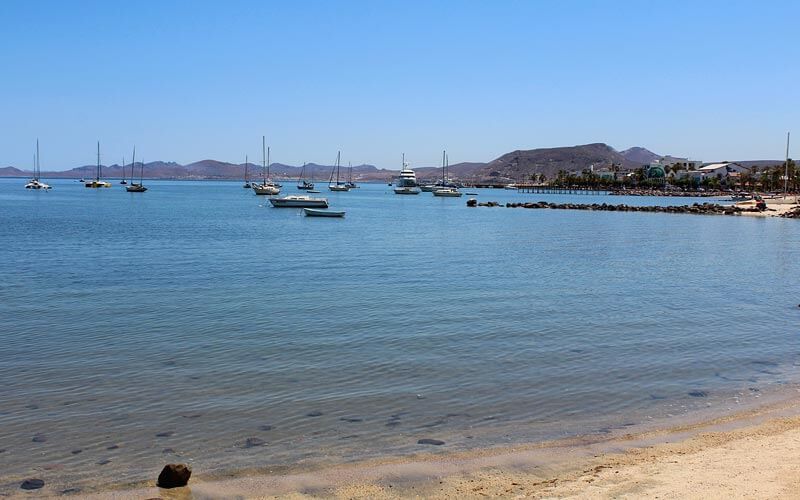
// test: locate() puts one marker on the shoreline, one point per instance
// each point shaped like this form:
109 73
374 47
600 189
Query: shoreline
710 457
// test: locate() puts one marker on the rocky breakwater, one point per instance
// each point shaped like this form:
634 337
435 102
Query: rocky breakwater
696 208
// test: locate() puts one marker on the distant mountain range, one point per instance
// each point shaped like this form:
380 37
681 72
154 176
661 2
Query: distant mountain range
516 165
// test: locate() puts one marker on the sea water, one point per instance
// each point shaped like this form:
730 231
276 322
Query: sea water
196 323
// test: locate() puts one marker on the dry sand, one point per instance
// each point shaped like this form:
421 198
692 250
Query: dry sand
774 208
749 455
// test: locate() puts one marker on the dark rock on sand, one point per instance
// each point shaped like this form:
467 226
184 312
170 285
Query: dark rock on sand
265 428
165 434
104 461
70 491
434 442
32 484
76 452
174 476
167 451
113 447
314 414
351 420
698 394
39 438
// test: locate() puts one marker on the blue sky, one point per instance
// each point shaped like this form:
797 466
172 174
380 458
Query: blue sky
191 80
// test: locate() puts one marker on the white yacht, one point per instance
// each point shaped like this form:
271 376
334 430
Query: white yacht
299 201
267 187
407 182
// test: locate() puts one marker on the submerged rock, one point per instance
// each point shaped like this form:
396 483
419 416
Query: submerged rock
434 442
265 428
165 434
39 438
32 484
174 476
252 442
698 394
314 414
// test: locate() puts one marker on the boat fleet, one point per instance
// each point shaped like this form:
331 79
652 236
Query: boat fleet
312 206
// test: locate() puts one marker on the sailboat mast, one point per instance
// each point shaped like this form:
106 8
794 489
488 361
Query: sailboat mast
123 168
264 158
443 176
141 173
338 156
245 168
268 175
37 167
786 168
133 163
97 174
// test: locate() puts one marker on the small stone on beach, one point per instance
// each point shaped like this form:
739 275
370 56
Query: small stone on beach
104 461
174 476
314 414
32 484
165 434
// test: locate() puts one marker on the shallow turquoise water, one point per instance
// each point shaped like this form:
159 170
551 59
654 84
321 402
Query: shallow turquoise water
197 312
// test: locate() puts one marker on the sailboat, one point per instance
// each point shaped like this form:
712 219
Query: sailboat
339 186
446 189
407 182
350 183
303 184
96 182
136 188
246 181
267 187
35 183
123 181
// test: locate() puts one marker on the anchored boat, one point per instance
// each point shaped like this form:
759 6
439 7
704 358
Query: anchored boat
299 201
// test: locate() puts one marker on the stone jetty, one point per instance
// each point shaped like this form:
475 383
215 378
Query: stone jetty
696 208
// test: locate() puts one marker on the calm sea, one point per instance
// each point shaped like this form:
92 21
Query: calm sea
197 323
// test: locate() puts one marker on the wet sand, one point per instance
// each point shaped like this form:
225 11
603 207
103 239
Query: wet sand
753 454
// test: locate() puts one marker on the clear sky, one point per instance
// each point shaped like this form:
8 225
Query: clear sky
190 80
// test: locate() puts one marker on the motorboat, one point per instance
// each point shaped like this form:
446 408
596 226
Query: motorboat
407 182
299 201
313 212
448 192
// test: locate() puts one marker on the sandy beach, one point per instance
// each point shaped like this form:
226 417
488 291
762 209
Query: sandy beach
775 208
753 454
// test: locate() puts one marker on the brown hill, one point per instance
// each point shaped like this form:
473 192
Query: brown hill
520 165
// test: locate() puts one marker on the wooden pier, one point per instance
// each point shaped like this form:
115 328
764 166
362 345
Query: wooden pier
544 189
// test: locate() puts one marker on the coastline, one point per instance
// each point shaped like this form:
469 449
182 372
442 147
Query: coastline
754 453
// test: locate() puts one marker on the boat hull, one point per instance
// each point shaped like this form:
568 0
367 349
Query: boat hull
311 203
339 188
406 190
312 212
265 190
